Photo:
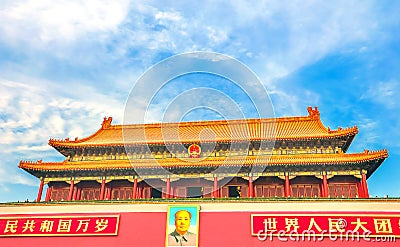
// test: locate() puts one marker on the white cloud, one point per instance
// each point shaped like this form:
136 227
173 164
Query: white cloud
275 38
282 34
32 113
21 106
290 100
19 179
169 16
384 93
368 133
44 21
34 148
314 29
376 132
47 110
11 176
216 36
281 37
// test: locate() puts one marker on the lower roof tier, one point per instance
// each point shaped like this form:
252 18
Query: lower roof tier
367 160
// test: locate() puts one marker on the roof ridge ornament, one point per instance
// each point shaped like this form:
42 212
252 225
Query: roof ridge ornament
106 123
313 112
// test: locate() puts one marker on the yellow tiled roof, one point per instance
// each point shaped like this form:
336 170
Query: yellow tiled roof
309 159
285 128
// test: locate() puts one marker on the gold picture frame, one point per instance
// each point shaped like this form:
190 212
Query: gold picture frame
182 228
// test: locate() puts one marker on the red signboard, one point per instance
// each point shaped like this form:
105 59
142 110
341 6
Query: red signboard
60 225
217 228
343 225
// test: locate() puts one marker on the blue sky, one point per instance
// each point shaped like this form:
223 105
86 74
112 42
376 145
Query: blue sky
64 65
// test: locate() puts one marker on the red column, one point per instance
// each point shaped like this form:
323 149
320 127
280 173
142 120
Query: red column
78 194
251 187
287 186
325 191
102 190
75 193
168 190
139 196
365 186
71 190
39 196
134 192
108 194
360 189
48 194
215 188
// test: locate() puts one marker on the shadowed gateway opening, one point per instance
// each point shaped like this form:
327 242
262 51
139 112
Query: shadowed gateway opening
194 192
156 192
234 191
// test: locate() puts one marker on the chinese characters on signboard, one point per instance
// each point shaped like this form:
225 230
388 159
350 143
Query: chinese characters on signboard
326 224
59 225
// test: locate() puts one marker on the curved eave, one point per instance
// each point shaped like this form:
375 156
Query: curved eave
279 160
301 128
348 133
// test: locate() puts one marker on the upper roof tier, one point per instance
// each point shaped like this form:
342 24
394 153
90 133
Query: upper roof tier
283 128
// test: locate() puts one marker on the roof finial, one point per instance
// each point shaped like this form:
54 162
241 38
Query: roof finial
313 113
106 122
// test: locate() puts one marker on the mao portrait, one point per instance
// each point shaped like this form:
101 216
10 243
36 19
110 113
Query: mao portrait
182 226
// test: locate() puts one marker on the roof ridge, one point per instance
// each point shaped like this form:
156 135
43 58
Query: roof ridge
288 127
209 122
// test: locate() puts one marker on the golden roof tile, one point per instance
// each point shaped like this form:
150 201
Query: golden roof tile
284 128
308 159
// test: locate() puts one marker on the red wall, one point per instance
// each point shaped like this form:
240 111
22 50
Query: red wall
148 229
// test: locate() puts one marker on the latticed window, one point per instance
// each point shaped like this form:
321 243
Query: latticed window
343 190
207 192
123 193
89 194
269 190
59 194
305 190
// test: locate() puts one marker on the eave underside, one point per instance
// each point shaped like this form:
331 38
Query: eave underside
221 165
342 142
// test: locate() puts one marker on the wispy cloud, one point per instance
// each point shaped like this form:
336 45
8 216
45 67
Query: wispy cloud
66 64
39 23
31 114
9 175
384 93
